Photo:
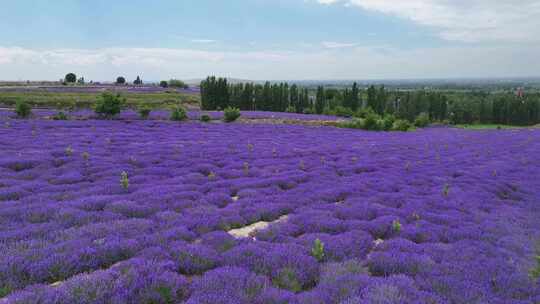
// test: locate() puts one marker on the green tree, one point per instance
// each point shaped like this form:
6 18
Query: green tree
381 101
138 81
175 83
355 101
70 78
109 104
320 100
372 98
120 80
23 109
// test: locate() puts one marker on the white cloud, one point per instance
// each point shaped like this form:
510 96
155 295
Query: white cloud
337 45
359 62
464 20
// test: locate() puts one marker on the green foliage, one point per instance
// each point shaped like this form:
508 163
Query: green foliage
69 100
179 114
355 123
231 114
372 122
60 116
175 83
120 80
109 105
422 120
388 122
4 291
287 279
317 251
320 100
535 272
290 109
70 78
206 118
124 180
343 111
364 112
214 93
401 125
308 110
163 84
328 111
144 110
396 226
138 81
23 109
457 107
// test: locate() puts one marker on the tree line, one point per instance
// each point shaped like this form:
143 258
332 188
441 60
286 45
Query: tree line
447 106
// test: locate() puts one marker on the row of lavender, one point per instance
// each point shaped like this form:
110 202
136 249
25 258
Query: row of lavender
165 115
435 216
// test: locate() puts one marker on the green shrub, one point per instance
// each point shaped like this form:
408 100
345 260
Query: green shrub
328 111
364 112
401 125
206 118
109 105
535 272
175 83
23 109
287 278
422 120
318 250
371 122
308 111
388 122
163 84
343 112
144 111
396 226
179 114
231 114
355 123
67 105
4 291
60 116
124 180
290 109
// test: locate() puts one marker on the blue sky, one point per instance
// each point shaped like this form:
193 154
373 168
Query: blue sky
269 39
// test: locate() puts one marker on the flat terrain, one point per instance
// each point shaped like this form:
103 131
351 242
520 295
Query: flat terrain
85 96
439 215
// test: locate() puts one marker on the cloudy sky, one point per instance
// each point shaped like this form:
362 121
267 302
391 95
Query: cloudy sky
269 39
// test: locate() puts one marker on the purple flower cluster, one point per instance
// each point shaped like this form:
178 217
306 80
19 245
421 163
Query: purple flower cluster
434 216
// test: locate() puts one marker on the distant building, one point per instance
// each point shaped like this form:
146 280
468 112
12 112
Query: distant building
520 93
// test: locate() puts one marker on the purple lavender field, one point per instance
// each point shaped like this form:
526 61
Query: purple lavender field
439 215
